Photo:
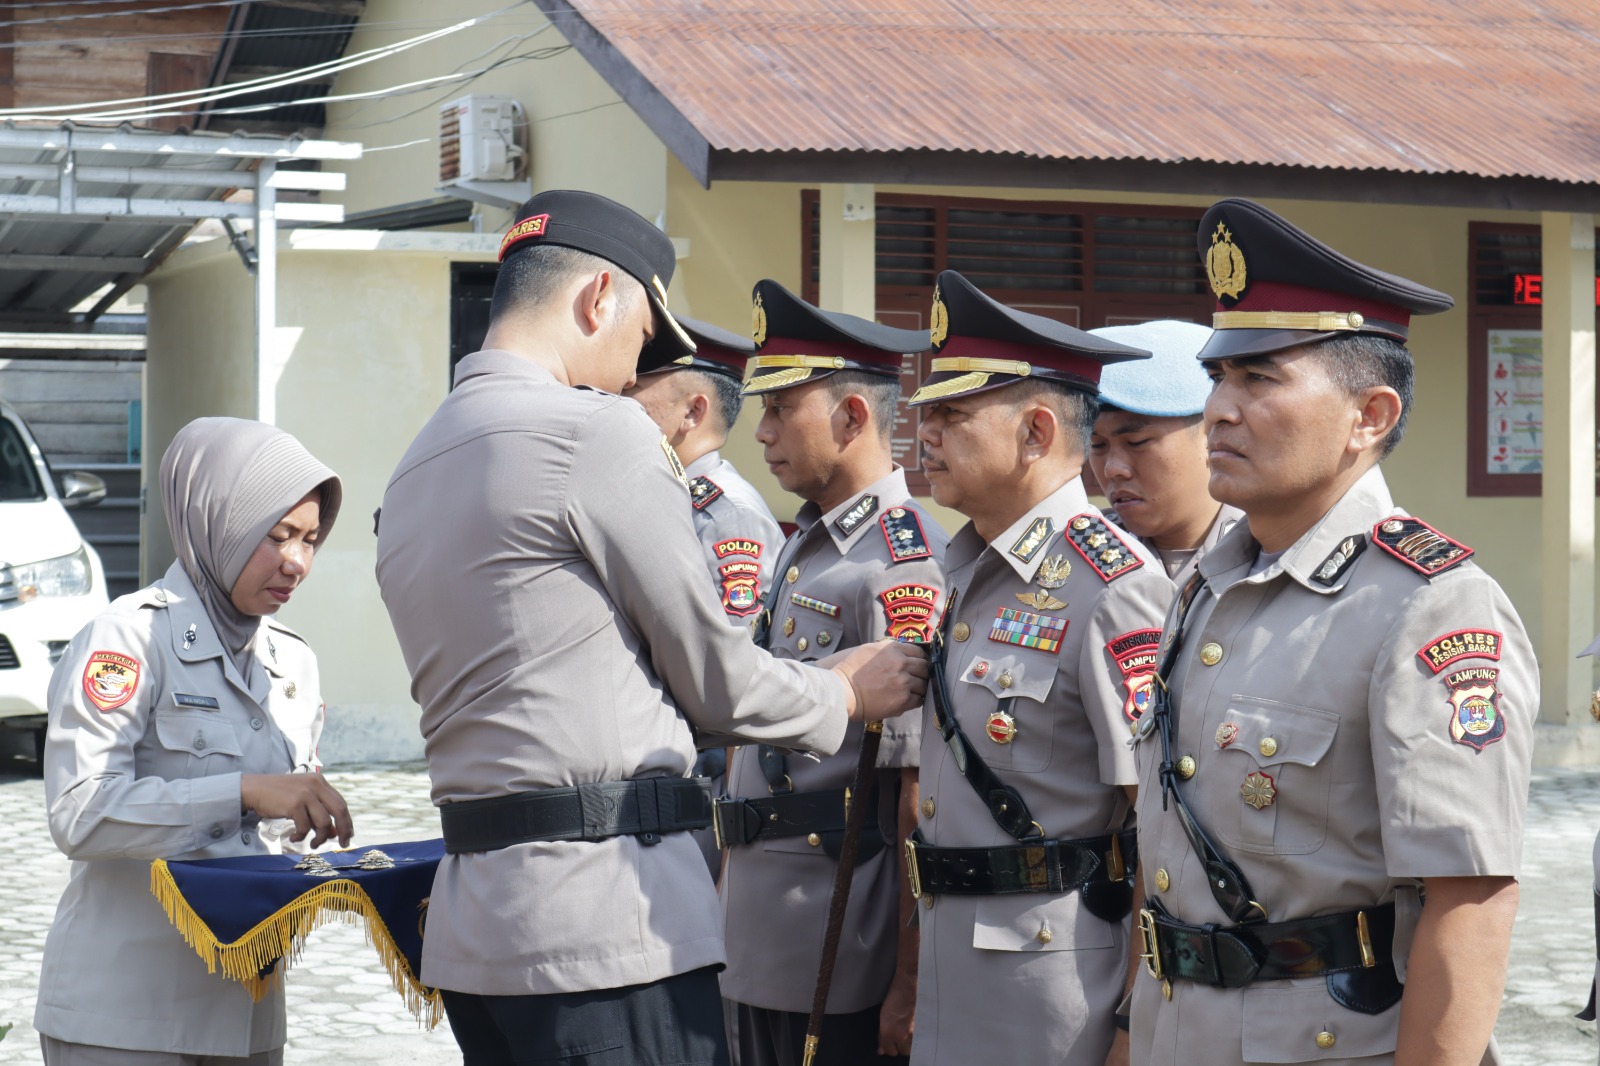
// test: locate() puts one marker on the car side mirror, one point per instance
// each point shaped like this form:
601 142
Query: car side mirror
79 488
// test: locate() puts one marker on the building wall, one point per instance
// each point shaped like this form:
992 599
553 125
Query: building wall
739 232
582 135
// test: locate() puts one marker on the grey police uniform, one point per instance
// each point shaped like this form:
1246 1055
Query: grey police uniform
869 568
151 728
1180 565
1352 719
559 631
1049 655
741 539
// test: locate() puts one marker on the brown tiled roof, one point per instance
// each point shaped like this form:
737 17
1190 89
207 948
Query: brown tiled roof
1425 87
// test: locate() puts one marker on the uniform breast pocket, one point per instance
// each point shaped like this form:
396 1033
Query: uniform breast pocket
1273 756
1003 703
204 735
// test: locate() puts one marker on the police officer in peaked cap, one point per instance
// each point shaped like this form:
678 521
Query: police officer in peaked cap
1024 852
1334 777
540 566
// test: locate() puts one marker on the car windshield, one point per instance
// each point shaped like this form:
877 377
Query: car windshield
19 478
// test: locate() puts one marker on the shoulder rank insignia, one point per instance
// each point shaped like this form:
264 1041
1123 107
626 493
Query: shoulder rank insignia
1033 538
1419 545
702 490
859 512
903 530
1339 560
1102 547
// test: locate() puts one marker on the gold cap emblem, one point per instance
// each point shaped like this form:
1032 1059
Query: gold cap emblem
1225 264
758 322
939 325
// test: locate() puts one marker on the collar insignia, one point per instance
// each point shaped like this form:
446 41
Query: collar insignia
1334 566
859 512
1033 539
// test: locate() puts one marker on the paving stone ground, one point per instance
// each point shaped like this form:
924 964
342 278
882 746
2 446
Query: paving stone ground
342 1009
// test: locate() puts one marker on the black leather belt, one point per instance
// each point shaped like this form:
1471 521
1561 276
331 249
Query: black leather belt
740 820
645 807
1234 956
1057 866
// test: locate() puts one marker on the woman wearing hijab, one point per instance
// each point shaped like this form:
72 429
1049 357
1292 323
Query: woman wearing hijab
183 725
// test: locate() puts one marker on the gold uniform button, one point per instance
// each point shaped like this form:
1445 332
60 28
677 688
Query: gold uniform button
927 902
814 840
1269 747
927 807
1211 654
1325 1040
1005 680
1163 882
793 575
1186 767
1044 935
962 631
801 644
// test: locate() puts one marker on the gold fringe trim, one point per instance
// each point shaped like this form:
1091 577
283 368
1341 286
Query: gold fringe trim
282 935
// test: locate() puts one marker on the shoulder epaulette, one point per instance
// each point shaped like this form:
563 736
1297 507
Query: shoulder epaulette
1419 545
702 490
1102 547
903 530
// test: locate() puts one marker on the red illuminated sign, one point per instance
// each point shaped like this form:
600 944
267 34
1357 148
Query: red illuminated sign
1529 289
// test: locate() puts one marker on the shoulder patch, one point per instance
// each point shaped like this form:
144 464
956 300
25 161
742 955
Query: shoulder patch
909 611
1476 720
1419 545
702 490
859 512
737 546
110 679
1033 538
1441 652
1135 655
674 462
741 586
1339 560
1102 547
903 530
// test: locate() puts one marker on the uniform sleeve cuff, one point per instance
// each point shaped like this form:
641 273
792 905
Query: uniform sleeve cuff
218 805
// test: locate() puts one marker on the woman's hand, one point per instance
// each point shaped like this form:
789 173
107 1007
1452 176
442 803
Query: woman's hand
307 799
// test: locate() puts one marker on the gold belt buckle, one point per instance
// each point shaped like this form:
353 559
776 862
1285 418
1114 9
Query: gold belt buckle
912 874
1151 953
716 824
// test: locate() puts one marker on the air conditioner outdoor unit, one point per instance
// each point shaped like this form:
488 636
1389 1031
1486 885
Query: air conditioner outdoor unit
483 150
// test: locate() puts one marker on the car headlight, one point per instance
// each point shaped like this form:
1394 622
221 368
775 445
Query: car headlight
66 575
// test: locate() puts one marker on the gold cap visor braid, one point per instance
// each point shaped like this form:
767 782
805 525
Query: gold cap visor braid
972 374
786 370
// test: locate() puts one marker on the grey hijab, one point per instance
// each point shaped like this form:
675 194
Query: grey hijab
225 482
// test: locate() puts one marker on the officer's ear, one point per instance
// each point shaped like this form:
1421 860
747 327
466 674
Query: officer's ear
1038 430
857 414
1378 411
696 408
596 301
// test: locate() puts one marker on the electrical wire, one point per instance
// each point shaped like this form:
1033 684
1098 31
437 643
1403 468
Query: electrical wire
193 99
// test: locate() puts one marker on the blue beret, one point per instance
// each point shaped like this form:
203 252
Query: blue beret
1171 383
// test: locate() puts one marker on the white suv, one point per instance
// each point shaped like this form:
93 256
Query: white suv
51 581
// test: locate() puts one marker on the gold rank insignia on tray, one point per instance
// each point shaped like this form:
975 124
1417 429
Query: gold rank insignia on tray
1225 266
1420 546
1036 536
1102 547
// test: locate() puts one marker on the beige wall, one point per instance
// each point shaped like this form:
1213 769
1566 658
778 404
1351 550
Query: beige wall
740 232
582 135
365 318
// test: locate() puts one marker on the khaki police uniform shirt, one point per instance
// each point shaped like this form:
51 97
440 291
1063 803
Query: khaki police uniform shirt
1341 757
542 574
740 537
1035 978
1180 565
840 586
151 728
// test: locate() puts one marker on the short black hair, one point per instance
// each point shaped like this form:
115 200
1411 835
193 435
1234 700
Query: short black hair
727 393
1078 409
882 395
536 275
1360 361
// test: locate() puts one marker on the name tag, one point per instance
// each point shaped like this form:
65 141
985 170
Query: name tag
204 703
